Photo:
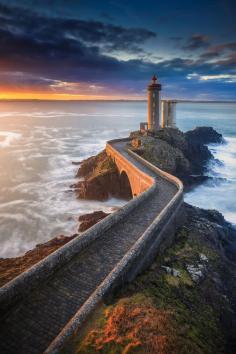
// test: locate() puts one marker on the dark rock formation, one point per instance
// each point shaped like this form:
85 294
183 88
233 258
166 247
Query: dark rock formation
88 220
204 135
163 155
182 154
12 267
101 179
213 230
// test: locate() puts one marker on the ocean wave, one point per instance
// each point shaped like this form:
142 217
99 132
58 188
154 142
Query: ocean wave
63 114
8 138
16 217
226 155
219 191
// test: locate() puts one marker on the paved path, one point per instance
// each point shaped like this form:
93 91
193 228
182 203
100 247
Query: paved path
33 323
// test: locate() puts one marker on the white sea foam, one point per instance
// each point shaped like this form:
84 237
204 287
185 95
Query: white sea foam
226 154
36 203
220 192
8 138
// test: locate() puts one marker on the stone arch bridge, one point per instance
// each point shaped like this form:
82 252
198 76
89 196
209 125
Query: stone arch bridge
139 180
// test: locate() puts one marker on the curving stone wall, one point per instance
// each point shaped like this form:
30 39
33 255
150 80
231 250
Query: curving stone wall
155 239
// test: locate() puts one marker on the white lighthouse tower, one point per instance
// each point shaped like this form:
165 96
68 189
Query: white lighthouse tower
154 105
169 113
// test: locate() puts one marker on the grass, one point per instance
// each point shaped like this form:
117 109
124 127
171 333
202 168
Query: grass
157 312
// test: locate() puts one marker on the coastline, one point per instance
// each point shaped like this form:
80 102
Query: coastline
58 135
203 245
101 166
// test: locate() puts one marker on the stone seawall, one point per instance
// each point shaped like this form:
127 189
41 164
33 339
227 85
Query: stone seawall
155 239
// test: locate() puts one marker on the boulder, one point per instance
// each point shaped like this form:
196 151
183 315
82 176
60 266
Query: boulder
90 219
204 135
101 179
183 154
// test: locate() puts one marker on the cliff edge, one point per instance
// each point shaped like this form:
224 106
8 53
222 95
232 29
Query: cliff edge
184 155
184 303
101 179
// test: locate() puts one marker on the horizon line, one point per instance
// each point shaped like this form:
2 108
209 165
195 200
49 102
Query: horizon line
113 100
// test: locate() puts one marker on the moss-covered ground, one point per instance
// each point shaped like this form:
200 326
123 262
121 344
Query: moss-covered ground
159 312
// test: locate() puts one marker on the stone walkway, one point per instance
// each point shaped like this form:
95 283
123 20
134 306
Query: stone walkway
33 323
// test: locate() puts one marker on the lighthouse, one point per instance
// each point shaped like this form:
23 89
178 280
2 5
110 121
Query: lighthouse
154 104
161 113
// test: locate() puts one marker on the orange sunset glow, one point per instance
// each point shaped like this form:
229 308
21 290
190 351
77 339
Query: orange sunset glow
59 96
65 92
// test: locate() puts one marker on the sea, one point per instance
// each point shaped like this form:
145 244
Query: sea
39 140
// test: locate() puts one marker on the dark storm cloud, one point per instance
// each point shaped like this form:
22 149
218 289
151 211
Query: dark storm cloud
197 41
209 55
70 49
222 48
39 50
109 37
24 79
228 63
218 50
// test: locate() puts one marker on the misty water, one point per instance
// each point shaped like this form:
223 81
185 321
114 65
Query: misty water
39 141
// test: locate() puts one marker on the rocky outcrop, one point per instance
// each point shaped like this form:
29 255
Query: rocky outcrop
12 267
162 154
185 302
101 179
182 154
88 220
204 135
179 153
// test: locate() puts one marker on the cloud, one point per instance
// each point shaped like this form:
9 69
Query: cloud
66 49
227 78
197 41
229 63
67 55
107 37
218 50
223 47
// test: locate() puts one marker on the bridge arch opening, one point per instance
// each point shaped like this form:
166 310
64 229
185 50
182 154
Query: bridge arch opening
125 187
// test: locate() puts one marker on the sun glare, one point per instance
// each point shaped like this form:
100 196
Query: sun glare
61 96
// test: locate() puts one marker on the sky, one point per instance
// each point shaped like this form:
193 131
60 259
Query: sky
109 49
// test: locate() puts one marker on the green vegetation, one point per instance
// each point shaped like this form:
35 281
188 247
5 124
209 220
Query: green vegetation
159 312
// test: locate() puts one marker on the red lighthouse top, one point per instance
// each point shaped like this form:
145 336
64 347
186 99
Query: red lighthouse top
154 79
154 84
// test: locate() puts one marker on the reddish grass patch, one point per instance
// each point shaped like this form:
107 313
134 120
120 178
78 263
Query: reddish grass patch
135 328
